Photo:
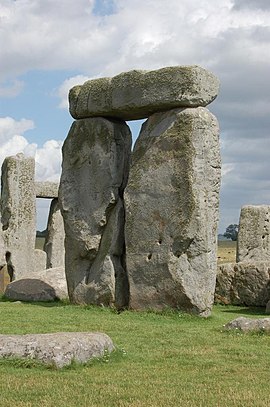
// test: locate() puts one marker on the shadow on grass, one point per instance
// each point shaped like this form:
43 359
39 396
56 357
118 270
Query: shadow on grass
245 311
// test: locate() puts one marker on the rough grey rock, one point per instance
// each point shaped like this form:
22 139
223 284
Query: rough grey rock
40 260
42 285
249 325
138 94
253 242
58 349
54 243
46 189
172 202
30 289
94 174
243 283
18 210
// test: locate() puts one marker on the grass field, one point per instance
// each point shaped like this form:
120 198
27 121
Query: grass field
168 359
226 251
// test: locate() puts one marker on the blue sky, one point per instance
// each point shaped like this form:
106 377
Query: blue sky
51 45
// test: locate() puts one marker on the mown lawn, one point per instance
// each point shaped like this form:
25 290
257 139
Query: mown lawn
168 359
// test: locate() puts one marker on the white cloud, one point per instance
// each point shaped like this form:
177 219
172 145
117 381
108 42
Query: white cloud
11 89
12 141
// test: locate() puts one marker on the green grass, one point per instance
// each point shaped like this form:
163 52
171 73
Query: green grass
40 242
169 359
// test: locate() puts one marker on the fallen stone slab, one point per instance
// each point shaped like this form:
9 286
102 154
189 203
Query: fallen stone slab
243 283
30 289
249 325
58 349
138 94
43 285
46 189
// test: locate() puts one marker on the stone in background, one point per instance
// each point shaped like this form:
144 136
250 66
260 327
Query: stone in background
54 243
18 214
253 242
243 283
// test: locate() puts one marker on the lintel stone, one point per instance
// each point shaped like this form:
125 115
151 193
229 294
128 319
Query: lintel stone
47 189
138 94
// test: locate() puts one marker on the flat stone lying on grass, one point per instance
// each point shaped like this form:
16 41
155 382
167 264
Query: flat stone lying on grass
59 349
46 285
138 94
249 325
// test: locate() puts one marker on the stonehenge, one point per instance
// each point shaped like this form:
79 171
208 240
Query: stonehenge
142 233
19 258
247 282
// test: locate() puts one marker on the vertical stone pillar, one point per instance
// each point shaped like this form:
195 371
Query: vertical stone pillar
54 242
18 214
172 201
94 174
253 241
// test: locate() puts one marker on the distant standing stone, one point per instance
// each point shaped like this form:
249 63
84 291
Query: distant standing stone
18 213
172 202
253 242
138 94
54 244
58 349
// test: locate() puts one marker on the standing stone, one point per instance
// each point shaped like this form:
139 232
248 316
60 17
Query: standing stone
40 260
94 174
138 94
253 242
54 242
172 212
18 213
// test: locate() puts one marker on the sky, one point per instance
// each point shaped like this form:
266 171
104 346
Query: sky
48 46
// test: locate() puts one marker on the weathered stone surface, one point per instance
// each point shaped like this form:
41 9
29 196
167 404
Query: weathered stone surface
54 243
40 260
42 285
172 211
46 189
30 289
245 283
4 278
249 325
58 349
138 94
253 243
18 213
94 174
56 277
